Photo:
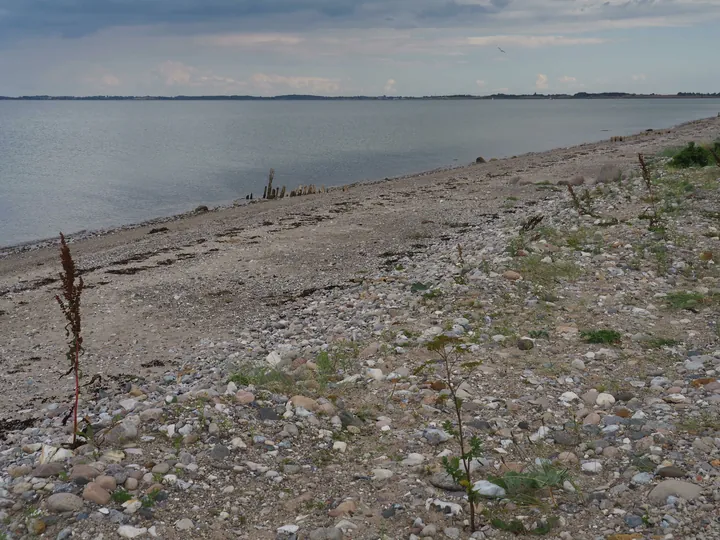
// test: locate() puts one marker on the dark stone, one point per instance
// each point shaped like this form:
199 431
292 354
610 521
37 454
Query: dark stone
523 425
219 452
444 481
624 395
479 424
525 344
631 520
158 230
564 438
388 512
480 160
267 413
671 472
349 419
201 209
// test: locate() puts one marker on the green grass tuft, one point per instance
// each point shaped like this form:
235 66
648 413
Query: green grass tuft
605 337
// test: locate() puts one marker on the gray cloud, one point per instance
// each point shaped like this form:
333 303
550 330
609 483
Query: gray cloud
76 18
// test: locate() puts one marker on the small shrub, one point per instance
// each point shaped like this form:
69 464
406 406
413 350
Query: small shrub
120 496
693 156
458 467
687 300
606 337
72 288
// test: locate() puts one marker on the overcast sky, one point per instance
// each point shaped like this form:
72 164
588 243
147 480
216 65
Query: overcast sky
352 47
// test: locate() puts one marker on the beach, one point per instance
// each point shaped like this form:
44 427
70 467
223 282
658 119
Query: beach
179 314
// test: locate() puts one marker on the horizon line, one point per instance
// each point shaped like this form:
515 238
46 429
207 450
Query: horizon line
615 94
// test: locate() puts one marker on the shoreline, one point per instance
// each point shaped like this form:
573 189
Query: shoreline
85 234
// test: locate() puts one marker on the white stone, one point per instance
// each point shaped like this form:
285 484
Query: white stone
604 400
412 460
291 529
376 374
592 467
128 404
381 474
128 531
273 358
488 489
340 446
62 455
184 524
569 396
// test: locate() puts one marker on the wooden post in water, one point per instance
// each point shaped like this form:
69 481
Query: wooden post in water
268 194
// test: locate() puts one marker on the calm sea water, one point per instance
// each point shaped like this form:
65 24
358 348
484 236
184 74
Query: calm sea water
88 165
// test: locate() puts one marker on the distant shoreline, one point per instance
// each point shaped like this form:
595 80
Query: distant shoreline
304 97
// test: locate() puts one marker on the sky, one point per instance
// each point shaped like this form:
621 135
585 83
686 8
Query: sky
357 47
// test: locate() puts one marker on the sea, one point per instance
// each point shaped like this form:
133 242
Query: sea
88 165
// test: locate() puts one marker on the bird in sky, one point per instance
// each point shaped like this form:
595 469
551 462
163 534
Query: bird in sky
501 50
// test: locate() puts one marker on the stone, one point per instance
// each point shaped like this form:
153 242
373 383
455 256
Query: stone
84 471
184 524
47 470
326 533
633 521
480 160
151 415
675 488
64 502
36 526
642 479
118 434
128 531
592 419
565 438
452 532
576 180
525 344
219 452
604 400
592 467
381 474
161 468
106 482
340 446
93 492
511 275
346 508
305 402
131 484
435 436
488 489
671 472
444 481
244 398
412 460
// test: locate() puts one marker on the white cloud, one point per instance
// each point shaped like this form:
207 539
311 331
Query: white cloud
176 73
542 82
249 40
531 42
639 77
180 75
565 79
390 87
110 80
481 84
275 83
